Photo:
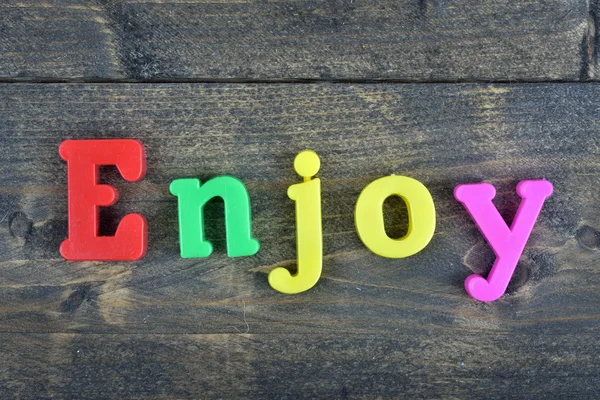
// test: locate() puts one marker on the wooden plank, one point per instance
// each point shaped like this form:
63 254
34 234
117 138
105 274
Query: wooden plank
165 327
424 364
313 39
49 39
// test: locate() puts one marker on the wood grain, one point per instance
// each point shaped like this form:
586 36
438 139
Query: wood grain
50 39
408 40
166 327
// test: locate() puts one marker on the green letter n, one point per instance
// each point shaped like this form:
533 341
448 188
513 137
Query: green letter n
191 198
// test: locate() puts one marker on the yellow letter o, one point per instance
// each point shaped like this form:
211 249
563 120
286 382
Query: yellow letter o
369 216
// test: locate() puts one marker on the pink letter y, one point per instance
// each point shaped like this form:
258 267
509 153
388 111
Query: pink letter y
507 243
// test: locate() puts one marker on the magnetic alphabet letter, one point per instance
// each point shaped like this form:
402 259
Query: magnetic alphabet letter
192 196
369 216
85 196
507 243
309 233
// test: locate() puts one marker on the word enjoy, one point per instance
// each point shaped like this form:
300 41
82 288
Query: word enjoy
130 242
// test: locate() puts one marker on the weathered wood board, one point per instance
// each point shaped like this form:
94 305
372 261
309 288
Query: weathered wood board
56 39
409 40
167 328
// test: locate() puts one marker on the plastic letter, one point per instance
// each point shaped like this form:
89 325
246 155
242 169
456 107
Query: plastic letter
508 243
85 196
369 216
192 196
309 234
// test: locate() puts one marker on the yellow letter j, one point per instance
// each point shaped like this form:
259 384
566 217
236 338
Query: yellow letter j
309 234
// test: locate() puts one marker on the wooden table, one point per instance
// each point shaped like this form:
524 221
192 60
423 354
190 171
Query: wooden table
444 91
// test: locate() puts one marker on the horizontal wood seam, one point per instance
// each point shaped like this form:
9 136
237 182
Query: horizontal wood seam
286 81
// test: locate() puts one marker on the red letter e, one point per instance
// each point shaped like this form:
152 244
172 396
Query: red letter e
86 196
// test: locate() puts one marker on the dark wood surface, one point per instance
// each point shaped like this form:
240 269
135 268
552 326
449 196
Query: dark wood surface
410 40
167 328
472 91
